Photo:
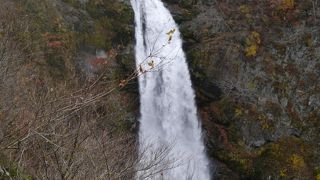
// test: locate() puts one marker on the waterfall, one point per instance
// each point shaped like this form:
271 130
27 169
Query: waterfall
168 122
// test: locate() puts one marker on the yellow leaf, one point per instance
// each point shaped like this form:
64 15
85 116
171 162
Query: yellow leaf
122 83
256 36
244 9
170 34
238 112
251 50
288 4
151 64
283 173
297 161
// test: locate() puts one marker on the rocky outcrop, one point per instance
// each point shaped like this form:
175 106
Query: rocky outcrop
255 67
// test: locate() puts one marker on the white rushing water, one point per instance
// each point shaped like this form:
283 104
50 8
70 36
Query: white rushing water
169 125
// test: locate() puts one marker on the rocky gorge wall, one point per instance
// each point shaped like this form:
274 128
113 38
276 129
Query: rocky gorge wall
255 66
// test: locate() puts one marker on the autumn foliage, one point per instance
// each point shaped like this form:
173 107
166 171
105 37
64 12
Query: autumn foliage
53 40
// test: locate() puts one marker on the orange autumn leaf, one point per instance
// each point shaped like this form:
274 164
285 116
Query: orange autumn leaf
123 83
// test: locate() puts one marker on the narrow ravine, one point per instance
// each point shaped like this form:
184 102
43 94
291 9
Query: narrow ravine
168 112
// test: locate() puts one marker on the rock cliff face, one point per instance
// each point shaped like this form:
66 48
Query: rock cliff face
255 66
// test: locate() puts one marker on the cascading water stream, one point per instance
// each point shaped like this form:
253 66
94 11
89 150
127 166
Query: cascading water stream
168 112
